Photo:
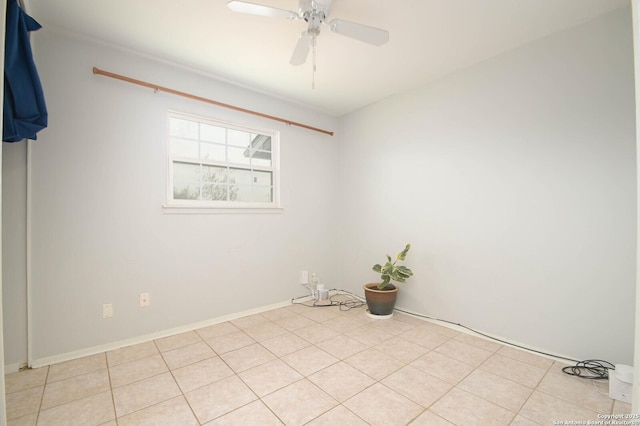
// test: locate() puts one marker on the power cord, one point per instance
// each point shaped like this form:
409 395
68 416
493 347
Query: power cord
344 305
592 369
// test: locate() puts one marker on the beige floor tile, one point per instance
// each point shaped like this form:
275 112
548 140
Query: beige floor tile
316 333
216 330
369 335
269 377
463 352
425 336
309 360
77 367
94 410
409 319
577 391
255 413
131 353
175 411
265 331
441 328
342 324
219 398
341 381
544 409
277 314
342 346
285 344
420 387
299 402
248 357
229 342
140 369
522 421
28 420
460 407
145 393
177 341
201 373
74 388
249 321
379 405
374 363
295 322
443 367
393 326
402 349
500 391
512 369
188 355
320 314
23 402
338 416
527 357
430 419
478 341
26 379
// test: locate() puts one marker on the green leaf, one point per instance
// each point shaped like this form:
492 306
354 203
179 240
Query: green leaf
403 254
388 258
377 268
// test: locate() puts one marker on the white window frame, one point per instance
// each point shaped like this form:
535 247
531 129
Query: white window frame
221 206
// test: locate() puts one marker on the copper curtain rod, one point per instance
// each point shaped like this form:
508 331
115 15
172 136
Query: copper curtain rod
206 100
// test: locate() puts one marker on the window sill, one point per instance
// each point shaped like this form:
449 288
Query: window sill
169 209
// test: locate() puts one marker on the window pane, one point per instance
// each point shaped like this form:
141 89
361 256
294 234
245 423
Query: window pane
211 133
184 148
186 172
262 194
236 155
262 178
238 138
214 192
240 176
212 174
185 192
212 152
261 158
183 128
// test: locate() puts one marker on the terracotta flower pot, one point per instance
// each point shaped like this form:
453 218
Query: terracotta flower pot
380 302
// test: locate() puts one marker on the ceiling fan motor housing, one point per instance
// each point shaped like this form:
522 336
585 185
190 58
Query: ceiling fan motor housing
312 7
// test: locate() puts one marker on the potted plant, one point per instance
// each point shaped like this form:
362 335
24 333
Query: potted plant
381 297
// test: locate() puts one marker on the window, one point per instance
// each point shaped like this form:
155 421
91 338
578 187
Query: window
217 164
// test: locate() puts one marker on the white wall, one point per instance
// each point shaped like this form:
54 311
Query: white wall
515 181
99 181
14 291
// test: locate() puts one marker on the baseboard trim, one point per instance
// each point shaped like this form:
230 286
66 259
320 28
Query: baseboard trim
42 362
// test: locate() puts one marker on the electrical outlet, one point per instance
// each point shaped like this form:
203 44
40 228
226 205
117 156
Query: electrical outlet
145 300
304 277
107 310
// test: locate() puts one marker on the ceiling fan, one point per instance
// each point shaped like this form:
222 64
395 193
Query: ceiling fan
315 13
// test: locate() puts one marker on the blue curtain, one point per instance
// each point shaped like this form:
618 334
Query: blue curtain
25 111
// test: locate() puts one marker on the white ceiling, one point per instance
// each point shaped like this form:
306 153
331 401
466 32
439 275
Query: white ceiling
428 39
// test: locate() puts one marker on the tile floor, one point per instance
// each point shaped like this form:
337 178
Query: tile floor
318 366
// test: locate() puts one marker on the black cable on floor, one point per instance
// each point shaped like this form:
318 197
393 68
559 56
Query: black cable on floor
593 369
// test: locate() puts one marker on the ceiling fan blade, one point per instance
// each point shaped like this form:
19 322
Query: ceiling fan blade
365 33
261 10
301 51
